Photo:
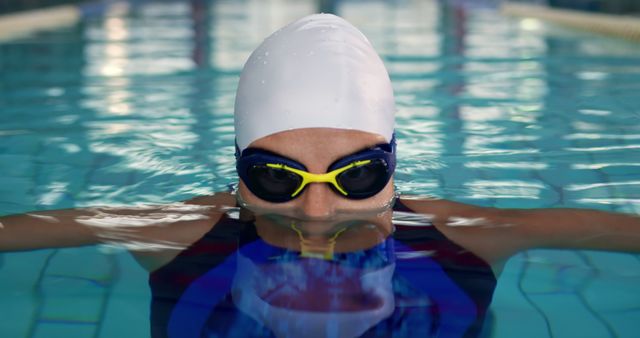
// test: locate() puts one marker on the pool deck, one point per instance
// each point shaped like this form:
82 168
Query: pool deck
21 24
624 26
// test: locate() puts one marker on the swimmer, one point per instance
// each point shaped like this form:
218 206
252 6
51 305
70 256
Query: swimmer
315 156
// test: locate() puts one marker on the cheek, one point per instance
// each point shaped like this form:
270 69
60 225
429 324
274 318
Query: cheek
243 190
386 195
246 194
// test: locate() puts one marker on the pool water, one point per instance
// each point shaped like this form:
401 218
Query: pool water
134 106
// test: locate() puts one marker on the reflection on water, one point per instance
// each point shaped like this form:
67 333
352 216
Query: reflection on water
266 275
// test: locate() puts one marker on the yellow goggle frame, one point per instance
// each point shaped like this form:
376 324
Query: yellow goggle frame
308 177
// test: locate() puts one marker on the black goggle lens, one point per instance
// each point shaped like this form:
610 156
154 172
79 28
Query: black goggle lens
272 184
366 180
277 185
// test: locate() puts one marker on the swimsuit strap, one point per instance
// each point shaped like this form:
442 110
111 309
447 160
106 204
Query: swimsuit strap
399 206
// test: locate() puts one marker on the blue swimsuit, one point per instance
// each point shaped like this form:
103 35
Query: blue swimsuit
440 289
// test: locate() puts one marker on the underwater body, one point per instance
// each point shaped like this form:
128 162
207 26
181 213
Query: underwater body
234 283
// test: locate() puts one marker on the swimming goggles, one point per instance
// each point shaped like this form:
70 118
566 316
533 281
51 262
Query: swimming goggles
278 179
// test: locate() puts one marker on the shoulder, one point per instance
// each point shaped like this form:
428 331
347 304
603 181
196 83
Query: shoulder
430 205
443 209
198 216
472 227
417 203
218 201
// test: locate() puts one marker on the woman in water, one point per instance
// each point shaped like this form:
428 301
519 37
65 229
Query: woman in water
316 242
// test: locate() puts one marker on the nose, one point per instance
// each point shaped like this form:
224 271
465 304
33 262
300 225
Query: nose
318 202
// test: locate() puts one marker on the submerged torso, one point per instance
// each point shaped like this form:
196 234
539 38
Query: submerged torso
231 283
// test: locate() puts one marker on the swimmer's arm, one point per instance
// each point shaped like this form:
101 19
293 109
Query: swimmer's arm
45 229
80 227
496 234
156 228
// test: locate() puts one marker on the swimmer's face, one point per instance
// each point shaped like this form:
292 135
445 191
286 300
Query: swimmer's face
317 148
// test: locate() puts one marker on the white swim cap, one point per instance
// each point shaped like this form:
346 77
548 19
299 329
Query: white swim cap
319 71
